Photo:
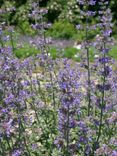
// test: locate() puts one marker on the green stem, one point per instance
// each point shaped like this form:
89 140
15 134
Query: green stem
102 103
67 135
1 42
12 42
2 149
25 140
88 71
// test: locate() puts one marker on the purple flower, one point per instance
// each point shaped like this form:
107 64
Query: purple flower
92 2
9 98
104 60
78 26
106 50
114 153
17 153
83 139
59 142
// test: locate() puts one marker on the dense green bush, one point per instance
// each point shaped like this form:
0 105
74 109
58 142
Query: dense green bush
62 29
26 51
25 28
57 10
70 52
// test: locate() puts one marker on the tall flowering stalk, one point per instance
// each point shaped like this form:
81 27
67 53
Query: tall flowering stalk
42 43
69 102
105 24
104 77
12 102
87 14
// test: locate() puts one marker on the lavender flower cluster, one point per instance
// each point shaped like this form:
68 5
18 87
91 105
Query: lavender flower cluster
59 107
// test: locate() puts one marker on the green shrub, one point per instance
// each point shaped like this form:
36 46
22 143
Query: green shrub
25 28
53 52
26 51
62 29
113 52
70 52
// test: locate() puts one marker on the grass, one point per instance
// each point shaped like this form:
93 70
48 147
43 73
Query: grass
23 50
69 52
26 51
113 52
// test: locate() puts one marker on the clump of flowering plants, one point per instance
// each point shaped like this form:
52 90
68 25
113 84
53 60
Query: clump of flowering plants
69 104
56 107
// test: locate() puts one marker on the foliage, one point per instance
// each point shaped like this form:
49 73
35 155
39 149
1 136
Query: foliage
62 29
113 53
25 51
57 10
64 10
25 28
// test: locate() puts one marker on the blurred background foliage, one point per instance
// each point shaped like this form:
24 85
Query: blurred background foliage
64 16
16 12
